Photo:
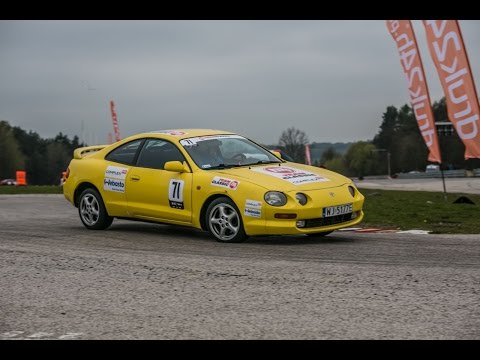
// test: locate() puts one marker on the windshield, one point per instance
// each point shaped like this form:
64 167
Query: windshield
222 151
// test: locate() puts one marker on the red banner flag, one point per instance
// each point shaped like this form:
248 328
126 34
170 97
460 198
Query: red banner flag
115 121
307 154
450 57
402 33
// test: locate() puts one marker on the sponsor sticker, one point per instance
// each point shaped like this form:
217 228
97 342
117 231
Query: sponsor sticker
170 132
290 174
253 204
114 179
225 183
253 212
195 140
175 193
114 185
116 172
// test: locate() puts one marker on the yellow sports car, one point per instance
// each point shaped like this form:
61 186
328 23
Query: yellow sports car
213 180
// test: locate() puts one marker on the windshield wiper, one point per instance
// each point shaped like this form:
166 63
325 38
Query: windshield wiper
261 162
223 166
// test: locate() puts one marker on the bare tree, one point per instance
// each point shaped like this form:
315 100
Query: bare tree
293 141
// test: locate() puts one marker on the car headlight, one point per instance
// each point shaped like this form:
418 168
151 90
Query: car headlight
352 190
301 198
275 198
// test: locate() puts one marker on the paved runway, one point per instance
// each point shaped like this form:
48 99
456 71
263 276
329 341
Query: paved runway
452 185
145 281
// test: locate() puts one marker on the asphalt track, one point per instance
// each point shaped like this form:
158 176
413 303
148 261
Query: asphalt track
146 281
452 185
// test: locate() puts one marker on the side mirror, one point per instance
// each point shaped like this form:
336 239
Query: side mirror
276 153
176 166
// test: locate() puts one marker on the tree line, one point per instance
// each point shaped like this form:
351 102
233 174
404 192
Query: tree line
44 160
398 143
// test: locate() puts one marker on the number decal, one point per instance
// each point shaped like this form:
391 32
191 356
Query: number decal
175 193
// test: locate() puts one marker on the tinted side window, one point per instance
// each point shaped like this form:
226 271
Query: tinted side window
125 154
157 152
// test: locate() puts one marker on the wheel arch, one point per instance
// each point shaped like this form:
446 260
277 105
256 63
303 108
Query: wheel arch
207 202
80 188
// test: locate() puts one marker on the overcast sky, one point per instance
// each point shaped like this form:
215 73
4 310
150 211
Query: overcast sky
332 79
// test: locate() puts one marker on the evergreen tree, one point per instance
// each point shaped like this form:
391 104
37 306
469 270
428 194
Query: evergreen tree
11 158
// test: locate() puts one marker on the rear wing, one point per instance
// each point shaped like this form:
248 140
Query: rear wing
84 151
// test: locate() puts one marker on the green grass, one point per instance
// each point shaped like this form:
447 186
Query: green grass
31 189
384 209
407 210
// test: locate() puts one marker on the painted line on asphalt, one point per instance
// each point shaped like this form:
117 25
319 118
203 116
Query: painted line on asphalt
21 335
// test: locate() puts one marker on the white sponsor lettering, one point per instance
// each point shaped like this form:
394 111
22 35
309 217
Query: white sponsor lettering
115 172
114 185
170 132
225 183
195 140
253 204
457 81
253 212
292 175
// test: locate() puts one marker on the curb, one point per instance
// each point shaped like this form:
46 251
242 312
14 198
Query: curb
375 230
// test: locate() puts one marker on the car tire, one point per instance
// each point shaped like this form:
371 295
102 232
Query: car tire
320 234
92 210
224 222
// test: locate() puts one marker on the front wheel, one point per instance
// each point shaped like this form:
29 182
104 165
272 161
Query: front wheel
224 221
92 210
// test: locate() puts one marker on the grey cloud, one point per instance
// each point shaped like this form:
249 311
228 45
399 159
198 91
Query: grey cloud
332 79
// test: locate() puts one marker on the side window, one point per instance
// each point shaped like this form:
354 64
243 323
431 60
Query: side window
157 152
125 154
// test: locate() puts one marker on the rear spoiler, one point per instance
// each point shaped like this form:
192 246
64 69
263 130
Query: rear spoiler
83 151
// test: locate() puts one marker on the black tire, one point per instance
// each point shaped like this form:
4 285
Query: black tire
224 222
320 234
92 212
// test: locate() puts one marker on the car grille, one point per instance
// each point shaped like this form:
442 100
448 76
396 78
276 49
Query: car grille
331 220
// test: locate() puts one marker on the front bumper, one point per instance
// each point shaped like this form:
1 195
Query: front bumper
310 215
289 227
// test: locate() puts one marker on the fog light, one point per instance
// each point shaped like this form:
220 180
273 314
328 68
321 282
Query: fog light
301 223
354 215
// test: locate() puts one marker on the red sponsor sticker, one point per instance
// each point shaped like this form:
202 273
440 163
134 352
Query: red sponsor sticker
280 170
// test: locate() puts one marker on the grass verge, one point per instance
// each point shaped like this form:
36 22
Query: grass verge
406 210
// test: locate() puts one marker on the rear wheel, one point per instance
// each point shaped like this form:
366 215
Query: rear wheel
224 221
92 210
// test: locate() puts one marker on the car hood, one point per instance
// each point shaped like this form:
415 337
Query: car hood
286 176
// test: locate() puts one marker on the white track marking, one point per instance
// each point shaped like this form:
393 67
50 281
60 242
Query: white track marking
69 336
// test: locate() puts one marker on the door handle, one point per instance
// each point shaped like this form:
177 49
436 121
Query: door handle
134 178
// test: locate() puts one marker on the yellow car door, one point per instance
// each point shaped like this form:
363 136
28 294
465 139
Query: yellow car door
116 170
157 194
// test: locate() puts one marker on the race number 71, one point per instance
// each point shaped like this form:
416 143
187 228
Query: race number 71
175 193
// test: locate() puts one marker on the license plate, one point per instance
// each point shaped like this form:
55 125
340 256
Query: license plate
337 210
